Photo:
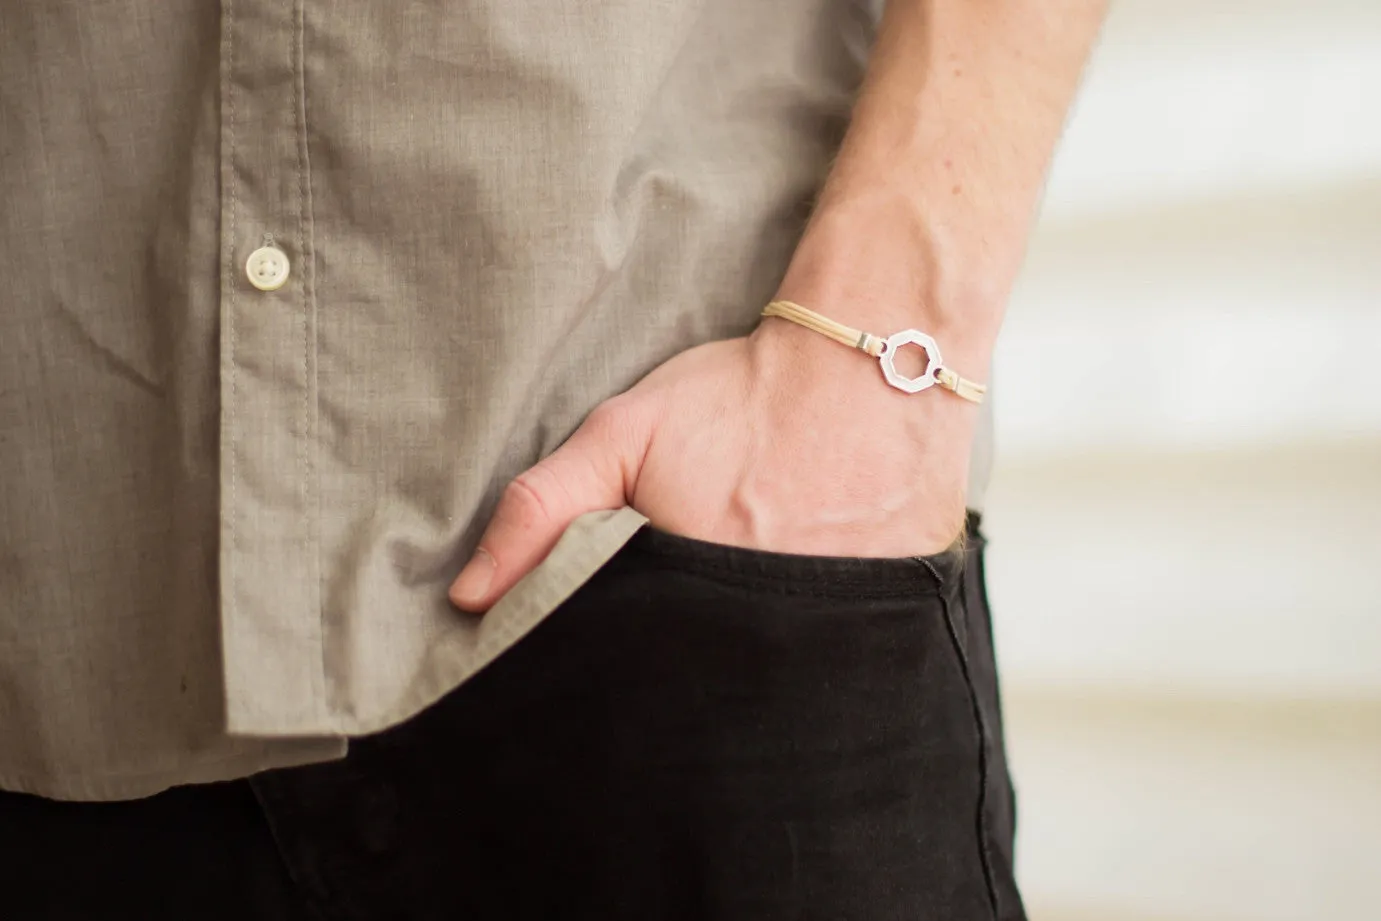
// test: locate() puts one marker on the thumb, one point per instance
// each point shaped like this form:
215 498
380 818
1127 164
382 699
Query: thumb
585 474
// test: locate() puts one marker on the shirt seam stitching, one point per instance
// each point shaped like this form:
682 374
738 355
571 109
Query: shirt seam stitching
304 216
232 535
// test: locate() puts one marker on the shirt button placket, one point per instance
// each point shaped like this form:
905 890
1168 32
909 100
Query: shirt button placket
271 628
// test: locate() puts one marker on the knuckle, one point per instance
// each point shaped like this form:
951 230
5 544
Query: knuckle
613 420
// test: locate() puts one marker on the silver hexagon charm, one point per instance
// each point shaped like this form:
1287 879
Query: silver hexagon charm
932 360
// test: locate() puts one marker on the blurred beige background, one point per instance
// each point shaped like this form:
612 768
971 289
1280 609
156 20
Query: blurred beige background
1186 514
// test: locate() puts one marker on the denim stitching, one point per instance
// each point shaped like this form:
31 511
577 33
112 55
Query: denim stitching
984 855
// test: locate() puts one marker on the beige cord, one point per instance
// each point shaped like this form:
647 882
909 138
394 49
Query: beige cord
847 335
969 390
873 345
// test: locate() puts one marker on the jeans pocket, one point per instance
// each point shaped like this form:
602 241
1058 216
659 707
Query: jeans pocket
819 716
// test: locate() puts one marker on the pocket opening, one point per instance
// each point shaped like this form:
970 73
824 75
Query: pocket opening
793 573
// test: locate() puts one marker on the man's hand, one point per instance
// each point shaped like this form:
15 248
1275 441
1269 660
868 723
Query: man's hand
786 440
783 440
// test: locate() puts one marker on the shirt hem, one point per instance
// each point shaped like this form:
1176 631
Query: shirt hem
142 784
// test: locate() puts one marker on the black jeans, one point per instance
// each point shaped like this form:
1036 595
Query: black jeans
701 732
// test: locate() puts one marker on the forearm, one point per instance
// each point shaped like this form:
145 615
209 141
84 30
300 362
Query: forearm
924 218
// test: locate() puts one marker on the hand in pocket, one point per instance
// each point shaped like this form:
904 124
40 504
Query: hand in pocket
780 441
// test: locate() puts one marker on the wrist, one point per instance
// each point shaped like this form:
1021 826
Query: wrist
803 355
881 270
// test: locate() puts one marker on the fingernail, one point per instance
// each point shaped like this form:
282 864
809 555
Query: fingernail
469 587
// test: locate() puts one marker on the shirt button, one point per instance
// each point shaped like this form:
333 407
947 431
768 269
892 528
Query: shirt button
267 268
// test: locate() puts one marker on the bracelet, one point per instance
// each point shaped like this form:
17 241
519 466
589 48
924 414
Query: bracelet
883 349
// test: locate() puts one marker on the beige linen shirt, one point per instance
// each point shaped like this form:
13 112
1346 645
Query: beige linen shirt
228 516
